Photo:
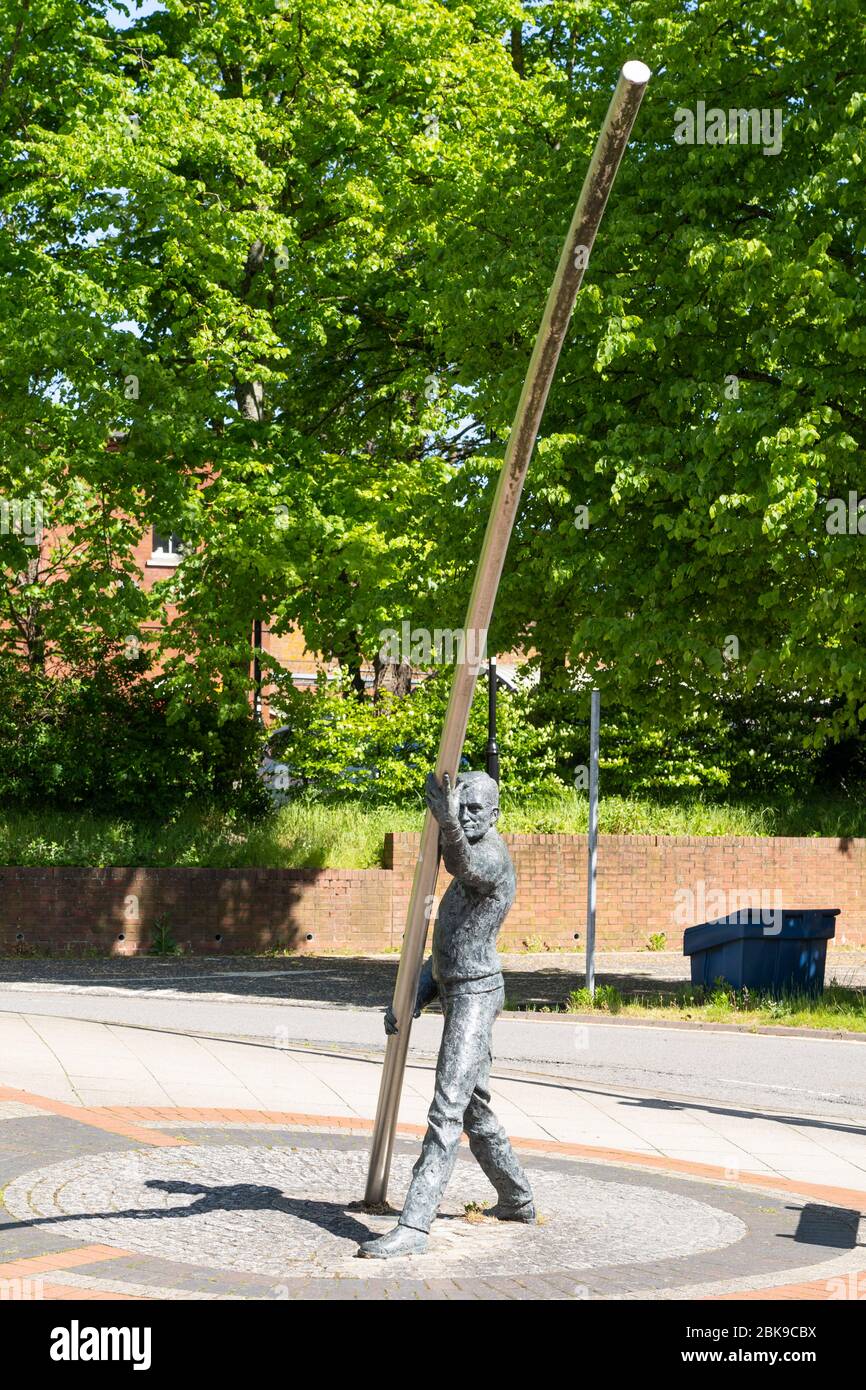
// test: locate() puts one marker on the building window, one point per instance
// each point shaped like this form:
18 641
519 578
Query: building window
166 549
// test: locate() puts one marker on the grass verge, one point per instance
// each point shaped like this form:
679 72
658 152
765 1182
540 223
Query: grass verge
837 1007
311 834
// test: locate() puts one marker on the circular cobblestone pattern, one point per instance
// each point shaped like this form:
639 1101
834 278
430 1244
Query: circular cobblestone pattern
281 1211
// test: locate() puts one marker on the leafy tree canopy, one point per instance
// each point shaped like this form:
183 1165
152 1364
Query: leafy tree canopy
297 253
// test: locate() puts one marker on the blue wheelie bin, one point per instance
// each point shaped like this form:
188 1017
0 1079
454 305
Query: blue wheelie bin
775 952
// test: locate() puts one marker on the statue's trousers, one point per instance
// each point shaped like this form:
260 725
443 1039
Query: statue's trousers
461 1102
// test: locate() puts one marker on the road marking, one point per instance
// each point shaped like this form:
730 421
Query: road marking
61 986
767 1086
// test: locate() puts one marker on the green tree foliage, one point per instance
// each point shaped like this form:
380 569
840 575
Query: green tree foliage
383 751
258 191
711 398
296 253
62 364
107 741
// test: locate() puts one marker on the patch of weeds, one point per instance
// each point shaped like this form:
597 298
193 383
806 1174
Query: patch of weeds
162 941
475 1211
777 1008
607 1000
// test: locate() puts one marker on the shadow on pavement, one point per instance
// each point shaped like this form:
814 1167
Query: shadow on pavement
330 1216
837 1227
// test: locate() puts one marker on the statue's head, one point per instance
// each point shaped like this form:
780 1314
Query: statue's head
479 804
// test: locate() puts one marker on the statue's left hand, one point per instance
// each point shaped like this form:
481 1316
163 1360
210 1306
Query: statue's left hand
391 1025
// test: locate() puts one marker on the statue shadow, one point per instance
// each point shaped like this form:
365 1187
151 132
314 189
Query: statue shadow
331 1217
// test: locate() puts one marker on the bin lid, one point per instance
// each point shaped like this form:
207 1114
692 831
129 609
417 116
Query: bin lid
810 923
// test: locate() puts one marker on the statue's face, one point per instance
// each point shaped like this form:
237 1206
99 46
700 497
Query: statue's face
478 812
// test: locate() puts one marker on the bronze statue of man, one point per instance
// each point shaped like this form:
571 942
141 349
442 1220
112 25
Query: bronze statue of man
465 972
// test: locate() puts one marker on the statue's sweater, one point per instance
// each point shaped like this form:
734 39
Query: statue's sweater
472 910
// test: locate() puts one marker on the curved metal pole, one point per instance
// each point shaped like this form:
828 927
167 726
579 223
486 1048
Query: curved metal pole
545 355
592 840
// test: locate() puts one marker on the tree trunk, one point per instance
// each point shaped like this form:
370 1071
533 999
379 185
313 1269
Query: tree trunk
395 676
517 49
250 395
35 631
358 685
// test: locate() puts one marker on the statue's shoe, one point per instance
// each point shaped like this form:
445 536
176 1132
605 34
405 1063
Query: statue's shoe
503 1212
403 1240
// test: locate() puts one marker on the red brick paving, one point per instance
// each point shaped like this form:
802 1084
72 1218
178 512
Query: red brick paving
100 1117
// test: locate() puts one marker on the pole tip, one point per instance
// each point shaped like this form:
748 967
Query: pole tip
636 72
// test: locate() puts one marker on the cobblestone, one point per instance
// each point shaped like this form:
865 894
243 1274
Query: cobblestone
279 1210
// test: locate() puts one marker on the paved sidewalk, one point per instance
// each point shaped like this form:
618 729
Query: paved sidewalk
116 1203
84 1063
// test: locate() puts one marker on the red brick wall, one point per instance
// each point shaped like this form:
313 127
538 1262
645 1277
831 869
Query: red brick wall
646 884
551 888
207 910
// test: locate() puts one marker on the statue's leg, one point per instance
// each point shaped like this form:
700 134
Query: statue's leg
492 1148
465 1047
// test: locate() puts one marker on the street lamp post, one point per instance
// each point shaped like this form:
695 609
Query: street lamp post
257 671
492 746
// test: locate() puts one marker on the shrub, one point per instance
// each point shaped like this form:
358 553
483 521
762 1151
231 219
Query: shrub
105 741
750 744
383 751
607 999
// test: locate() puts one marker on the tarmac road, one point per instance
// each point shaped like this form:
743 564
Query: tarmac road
790 1074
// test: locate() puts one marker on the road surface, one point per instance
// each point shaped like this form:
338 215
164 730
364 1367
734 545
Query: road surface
798 1075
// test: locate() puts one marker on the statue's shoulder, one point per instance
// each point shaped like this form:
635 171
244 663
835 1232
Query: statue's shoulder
498 855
